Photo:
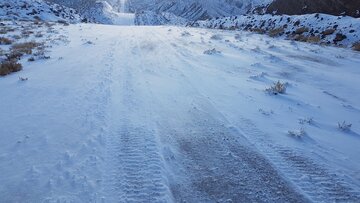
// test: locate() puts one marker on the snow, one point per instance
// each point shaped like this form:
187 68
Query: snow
197 9
142 114
29 9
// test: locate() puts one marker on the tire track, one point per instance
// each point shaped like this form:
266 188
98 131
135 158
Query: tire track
133 155
218 163
313 179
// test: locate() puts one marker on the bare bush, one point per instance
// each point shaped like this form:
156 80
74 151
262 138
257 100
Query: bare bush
25 48
276 32
212 52
356 46
313 39
306 121
328 31
23 79
277 88
5 41
8 67
301 30
344 126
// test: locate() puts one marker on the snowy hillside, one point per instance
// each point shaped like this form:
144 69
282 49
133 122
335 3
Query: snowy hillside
313 28
188 9
176 114
36 9
196 9
220 110
104 13
153 18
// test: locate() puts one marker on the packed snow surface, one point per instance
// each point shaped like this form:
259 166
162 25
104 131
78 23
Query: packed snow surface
173 114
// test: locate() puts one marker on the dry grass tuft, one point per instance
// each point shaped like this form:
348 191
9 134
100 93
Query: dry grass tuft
313 39
328 31
8 67
277 88
301 30
24 48
356 46
5 41
276 32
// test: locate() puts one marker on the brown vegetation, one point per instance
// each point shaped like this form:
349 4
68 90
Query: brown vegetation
276 32
8 67
5 41
356 46
25 48
301 30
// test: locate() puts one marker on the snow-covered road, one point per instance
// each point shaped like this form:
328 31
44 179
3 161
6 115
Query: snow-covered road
142 114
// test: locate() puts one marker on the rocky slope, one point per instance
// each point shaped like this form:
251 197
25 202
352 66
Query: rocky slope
36 9
314 28
333 7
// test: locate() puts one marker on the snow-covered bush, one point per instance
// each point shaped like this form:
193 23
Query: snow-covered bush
277 88
344 126
265 112
212 52
185 34
306 121
23 79
297 133
216 37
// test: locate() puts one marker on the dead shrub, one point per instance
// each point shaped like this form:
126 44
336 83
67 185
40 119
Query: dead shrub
14 56
5 41
25 48
5 30
301 30
313 39
39 35
300 38
276 32
277 88
356 46
257 30
16 37
344 126
297 133
8 67
328 31
63 22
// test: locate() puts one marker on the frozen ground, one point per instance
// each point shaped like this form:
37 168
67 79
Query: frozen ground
169 114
